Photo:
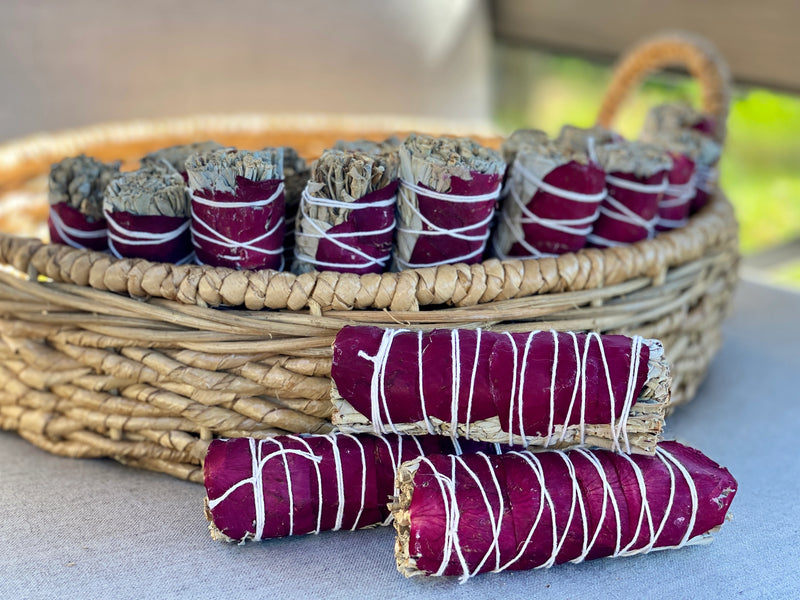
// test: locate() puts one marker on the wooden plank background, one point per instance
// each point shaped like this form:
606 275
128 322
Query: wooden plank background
760 39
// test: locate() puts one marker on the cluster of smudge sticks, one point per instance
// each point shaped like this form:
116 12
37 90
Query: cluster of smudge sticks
487 451
366 207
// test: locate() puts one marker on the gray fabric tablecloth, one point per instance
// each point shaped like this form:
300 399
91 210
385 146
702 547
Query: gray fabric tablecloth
97 529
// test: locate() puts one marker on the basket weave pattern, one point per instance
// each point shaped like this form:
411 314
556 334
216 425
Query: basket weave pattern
129 359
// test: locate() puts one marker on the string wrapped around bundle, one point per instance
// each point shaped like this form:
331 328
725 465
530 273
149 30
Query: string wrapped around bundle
295 485
76 187
346 220
552 198
676 202
636 179
543 388
148 215
679 126
448 192
237 204
471 514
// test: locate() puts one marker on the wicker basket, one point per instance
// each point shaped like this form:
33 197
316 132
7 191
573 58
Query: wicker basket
127 358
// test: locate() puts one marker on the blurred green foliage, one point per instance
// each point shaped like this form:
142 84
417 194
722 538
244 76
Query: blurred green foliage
760 169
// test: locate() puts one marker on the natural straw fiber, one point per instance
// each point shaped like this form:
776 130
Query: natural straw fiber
128 359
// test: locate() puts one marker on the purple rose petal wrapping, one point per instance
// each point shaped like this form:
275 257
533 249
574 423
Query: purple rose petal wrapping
517 388
294 485
636 178
675 204
473 514
375 245
69 226
256 231
153 237
449 188
552 200
471 220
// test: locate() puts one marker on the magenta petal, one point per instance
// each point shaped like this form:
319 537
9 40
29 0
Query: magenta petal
172 250
362 220
558 507
489 386
451 215
62 214
294 485
242 224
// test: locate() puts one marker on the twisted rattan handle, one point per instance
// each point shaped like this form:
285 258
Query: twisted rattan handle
692 51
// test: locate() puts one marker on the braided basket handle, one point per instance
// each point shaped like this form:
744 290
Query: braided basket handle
689 50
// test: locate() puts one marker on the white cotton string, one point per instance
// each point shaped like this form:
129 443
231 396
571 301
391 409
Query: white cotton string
587 543
670 501
258 488
577 499
706 178
337 461
455 385
449 197
288 474
676 195
403 264
630 392
142 238
218 238
336 238
363 479
644 511
472 381
614 209
382 422
671 223
256 479
692 494
612 398
622 213
514 369
553 371
495 522
521 391
424 407
69 234
252 479
448 487
320 497
459 233
522 171
575 387
544 496
635 186
582 370
608 498
377 386
456 514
